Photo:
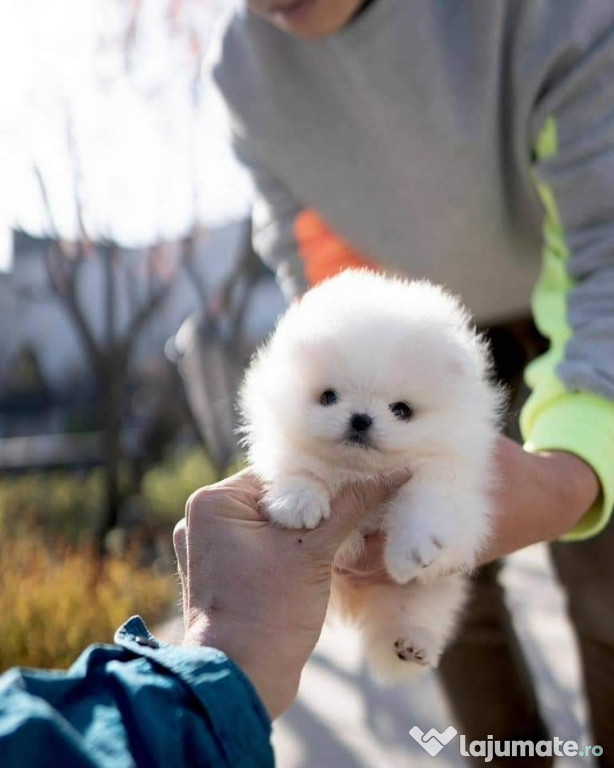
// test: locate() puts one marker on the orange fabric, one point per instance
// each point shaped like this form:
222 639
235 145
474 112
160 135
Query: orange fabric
323 252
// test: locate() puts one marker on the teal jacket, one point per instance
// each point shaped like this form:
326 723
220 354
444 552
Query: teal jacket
137 703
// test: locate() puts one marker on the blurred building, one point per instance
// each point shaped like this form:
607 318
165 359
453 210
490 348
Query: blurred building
35 319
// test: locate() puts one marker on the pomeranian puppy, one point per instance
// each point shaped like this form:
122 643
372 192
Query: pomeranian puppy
366 376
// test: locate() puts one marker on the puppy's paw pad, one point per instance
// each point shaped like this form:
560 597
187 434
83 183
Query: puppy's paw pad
417 647
300 507
407 651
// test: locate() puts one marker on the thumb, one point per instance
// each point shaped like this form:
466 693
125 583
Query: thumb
181 550
355 502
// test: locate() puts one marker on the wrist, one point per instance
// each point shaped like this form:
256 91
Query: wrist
265 657
574 488
538 497
276 685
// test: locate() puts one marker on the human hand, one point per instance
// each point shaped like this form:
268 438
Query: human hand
538 497
257 591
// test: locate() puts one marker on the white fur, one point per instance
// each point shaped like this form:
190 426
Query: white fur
377 341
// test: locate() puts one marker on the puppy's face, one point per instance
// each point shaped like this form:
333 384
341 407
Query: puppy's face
369 398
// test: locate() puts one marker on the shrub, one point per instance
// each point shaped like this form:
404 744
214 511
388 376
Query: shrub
58 503
56 600
68 504
166 488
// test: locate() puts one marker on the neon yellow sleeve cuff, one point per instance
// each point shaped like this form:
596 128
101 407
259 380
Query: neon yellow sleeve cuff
583 424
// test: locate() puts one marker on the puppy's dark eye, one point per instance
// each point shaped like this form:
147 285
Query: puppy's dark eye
401 411
329 397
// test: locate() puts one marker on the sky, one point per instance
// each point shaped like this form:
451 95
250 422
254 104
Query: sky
119 127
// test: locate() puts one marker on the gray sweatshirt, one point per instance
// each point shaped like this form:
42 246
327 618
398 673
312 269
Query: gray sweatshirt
470 142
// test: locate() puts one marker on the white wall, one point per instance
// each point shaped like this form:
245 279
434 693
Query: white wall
30 314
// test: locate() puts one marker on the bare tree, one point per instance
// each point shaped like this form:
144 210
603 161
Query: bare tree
109 353
166 111
214 348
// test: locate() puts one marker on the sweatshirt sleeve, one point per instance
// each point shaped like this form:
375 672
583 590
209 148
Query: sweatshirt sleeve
571 407
274 212
288 234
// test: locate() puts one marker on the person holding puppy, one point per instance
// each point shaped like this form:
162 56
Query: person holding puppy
472 144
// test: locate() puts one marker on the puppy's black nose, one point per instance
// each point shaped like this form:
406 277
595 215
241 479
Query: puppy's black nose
360 422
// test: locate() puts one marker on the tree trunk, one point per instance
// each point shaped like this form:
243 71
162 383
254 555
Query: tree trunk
112 382
113 418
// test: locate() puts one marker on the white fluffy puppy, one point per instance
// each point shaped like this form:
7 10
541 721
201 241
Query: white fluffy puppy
365 376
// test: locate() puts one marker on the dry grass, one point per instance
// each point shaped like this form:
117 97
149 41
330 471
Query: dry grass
55 600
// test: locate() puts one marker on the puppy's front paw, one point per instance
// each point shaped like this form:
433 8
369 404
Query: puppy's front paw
420 553
297 503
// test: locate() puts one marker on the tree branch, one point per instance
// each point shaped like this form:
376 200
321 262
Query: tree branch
63 271
152 303
188 261
70 300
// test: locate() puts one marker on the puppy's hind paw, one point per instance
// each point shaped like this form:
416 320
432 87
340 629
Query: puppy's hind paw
406 650
296 503
405 659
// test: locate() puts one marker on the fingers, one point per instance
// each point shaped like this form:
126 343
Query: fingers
236 496
369 567
359 499
181 547
180 543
